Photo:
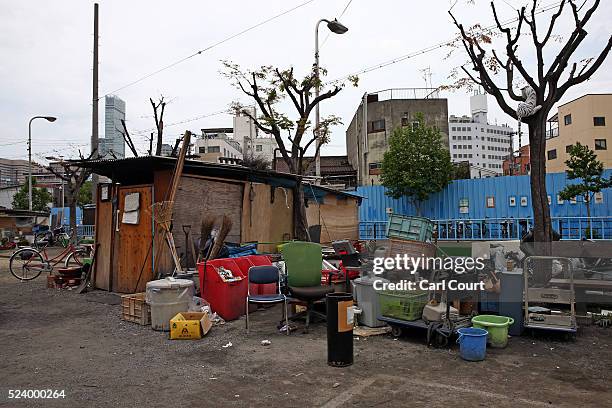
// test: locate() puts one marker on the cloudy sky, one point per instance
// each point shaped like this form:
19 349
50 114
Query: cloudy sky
46 63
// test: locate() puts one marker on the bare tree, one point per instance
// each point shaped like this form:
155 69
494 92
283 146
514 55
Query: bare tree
158 113
73 177
268 86
546 82
127 139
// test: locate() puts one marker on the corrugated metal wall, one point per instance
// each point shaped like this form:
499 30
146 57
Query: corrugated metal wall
445 204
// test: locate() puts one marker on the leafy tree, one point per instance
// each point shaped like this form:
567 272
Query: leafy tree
84 195
268 87
551 75
417 163
461 171
74 177
583 165
40 197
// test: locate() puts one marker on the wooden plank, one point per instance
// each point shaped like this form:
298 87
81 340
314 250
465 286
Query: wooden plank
197 198
339 218
264 220
104 237
134 253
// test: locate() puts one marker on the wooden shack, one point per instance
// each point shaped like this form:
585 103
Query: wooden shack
259 204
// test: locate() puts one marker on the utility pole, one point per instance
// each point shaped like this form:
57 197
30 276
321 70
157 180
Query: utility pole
94 111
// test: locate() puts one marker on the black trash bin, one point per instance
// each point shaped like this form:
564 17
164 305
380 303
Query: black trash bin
339 329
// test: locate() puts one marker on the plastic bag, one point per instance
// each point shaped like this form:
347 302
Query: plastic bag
197 304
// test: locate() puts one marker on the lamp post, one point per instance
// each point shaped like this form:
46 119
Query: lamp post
337 28
50 119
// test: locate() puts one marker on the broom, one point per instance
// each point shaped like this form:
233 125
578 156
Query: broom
206 228
226 226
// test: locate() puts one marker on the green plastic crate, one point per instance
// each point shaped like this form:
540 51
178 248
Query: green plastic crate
403 305
409 227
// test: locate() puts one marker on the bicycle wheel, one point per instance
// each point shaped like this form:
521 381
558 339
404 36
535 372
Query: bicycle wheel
76 258
27 264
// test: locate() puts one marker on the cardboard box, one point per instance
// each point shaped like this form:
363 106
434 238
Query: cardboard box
189 326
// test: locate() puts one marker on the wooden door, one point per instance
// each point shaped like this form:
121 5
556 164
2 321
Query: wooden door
104 237
134 251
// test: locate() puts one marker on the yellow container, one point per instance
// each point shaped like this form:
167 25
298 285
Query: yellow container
189 326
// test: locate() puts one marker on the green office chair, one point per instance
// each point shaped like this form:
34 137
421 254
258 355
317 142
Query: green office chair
303 264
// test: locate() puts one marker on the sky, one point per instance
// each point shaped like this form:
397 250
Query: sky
46 65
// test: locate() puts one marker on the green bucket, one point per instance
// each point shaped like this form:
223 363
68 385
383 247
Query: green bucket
497 326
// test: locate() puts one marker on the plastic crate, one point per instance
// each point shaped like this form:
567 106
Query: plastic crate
403 305
225 298
135 309
409 227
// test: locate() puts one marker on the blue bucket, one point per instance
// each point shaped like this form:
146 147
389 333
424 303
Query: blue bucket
472 343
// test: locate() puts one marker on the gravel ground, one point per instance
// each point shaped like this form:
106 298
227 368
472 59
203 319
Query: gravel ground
56 339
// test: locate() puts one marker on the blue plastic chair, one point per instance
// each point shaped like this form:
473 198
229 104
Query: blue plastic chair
262 275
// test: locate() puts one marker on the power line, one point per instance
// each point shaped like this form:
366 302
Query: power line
433 47
207 48
207 115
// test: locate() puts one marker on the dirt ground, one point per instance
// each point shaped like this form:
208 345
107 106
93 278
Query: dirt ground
56 339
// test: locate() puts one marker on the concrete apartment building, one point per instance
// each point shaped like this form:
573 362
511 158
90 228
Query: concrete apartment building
253 143
237 143
473 139
216 143
586 120
383 112
520 164
113 145
15 172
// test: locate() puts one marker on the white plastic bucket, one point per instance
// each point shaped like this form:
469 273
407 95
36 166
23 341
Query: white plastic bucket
167 297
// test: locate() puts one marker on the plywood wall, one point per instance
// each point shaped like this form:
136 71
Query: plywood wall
338 217
267 215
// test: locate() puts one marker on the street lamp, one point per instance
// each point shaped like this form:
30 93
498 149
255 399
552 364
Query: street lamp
337 28
50 119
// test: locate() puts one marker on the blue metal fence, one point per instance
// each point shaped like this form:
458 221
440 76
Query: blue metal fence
500 229
491 198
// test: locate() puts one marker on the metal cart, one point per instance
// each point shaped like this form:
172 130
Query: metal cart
539 318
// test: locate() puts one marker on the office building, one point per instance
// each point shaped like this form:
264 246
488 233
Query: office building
113 144
473 139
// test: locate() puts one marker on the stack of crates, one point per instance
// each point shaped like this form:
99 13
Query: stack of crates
409 228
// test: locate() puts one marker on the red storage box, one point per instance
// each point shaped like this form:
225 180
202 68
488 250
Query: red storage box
226 298
263 260
245 262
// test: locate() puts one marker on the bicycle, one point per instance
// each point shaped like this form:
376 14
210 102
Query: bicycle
48 237
28 263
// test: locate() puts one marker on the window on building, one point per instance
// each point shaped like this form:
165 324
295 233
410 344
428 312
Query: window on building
552 154
454 137
454 156
567 148
405 121
601 144
378 125
469 129
258 148
201 149
214 149
567 119
599 121
454 129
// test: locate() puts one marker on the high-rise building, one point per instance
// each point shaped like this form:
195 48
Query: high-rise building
473 139
113 144
383 112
